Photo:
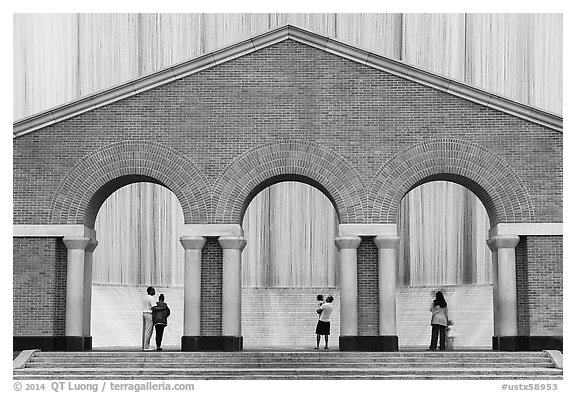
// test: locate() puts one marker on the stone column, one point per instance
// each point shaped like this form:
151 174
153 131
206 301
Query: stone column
387 246
348 285
86 332
192 290
232 247
506 290
75 291
495 300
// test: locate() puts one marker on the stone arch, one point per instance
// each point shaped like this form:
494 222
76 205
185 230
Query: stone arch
493 181
308 162
96 176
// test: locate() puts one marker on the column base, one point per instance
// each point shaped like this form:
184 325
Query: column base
50 343
211 343
369 343
88 343
527 343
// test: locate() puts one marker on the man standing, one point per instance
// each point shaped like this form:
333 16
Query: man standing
323 327
148 302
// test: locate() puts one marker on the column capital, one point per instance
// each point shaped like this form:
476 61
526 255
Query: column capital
76 243
498 242
92 246
348 242
387 242
232 242
193 242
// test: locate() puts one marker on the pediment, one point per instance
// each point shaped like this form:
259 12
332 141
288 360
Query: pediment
288 32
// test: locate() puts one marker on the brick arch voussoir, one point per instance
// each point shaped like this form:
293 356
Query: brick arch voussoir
249 170
87 213
489 195
498 186
89 178
233 206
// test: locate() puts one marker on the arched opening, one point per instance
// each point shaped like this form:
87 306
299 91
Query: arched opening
289 259
443 228
138 228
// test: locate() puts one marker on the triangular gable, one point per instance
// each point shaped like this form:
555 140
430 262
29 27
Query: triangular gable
181 70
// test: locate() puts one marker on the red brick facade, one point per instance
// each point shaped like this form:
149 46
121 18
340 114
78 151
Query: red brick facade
287 112
368 303
211 306
539 273
39 268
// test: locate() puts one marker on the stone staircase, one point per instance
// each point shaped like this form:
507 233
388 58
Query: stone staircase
320 364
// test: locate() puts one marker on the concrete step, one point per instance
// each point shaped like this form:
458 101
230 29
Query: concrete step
268 376
289 365
303 370
312 353
159 365
300 373
291 356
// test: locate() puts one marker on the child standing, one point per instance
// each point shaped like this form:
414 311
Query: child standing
450 336
320 300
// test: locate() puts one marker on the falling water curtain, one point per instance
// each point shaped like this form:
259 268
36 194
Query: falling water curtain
138 231
290 228
443 229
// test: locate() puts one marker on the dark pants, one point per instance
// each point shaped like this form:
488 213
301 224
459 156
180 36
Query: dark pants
159 334
434 341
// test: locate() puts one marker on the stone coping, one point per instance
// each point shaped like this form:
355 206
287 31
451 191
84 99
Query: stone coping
527 229
23 357
557 358
367 230
181 70
216 230
71 230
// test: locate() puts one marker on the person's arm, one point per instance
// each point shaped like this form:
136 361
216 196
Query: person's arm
432 307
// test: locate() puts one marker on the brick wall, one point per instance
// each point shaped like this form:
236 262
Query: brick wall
362 135
544 281
39 287
539 286
356 119
522 298
211 295
368 304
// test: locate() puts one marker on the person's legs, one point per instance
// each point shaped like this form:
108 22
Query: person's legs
159 334
326 339
434 340
148 328
442 337
317 341
143 329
